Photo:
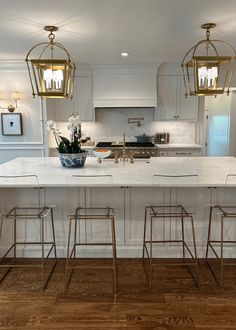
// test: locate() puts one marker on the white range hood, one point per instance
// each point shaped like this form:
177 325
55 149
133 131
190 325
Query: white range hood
124 86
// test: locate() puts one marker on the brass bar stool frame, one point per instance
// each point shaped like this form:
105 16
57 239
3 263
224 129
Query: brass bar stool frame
38 213
224 212
157 212
87 213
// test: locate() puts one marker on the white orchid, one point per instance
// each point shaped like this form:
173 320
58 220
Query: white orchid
52 127
65 145
74 123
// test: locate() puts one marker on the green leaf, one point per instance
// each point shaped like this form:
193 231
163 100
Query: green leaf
65 147
65 140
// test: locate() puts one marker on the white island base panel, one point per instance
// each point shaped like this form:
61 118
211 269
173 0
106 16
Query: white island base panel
131 189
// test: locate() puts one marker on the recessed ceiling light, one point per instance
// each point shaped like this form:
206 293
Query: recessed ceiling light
124 54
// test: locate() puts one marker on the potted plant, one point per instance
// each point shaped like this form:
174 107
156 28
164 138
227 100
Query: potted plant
70 152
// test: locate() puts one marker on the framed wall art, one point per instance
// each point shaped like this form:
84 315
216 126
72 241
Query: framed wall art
11 124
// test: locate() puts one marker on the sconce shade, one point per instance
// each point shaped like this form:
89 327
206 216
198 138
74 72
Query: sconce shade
50 77
205 72
16 95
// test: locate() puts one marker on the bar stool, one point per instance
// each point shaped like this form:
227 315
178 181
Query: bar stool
36 213
103 214
222 212
170 211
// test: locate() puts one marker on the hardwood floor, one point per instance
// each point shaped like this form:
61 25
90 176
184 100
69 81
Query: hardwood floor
174 303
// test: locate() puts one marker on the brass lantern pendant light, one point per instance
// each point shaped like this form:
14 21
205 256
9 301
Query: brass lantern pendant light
205 71
51 68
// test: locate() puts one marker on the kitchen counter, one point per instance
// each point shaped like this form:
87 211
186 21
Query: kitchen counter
211 170
130 189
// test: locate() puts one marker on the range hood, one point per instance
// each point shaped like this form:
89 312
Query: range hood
125 86
124 103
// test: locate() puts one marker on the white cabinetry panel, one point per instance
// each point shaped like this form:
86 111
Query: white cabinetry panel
83 98
124 86
167 97
171 101
81 102
187 107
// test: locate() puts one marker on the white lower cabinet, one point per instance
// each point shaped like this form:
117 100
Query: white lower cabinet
100 231
129 207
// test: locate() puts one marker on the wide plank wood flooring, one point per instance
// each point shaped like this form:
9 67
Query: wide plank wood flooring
174 303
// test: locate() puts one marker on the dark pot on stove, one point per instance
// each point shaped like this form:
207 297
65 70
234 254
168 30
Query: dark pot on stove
144 138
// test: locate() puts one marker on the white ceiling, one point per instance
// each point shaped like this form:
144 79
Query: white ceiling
96 31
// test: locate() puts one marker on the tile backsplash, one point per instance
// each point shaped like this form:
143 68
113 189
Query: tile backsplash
111 123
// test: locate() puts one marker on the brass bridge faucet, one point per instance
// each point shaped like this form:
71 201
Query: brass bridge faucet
124 155
123 149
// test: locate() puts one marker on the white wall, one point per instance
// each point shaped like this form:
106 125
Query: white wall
14 77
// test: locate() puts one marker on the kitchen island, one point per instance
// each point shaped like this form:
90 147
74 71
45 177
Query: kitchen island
127 187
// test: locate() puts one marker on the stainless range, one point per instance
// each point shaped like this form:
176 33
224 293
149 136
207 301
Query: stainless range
139 150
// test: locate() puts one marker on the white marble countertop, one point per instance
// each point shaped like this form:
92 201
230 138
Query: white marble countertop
179 146
212 171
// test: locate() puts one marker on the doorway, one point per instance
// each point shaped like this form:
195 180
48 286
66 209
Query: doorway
217 110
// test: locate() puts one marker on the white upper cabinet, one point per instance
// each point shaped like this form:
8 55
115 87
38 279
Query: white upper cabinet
83 98
167 97
171 101
124 86
81 102
187 107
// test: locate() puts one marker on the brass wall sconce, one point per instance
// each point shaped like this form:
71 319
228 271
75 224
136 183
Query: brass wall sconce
51 68
15 96
206 71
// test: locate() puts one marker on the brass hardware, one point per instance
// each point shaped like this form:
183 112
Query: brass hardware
136 120
208 73
123 148
208 26
125 155
51 28
116 156
50 77
131 155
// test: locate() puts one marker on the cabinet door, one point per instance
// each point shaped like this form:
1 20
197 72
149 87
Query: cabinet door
167 97
100 231
187 108
83 102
